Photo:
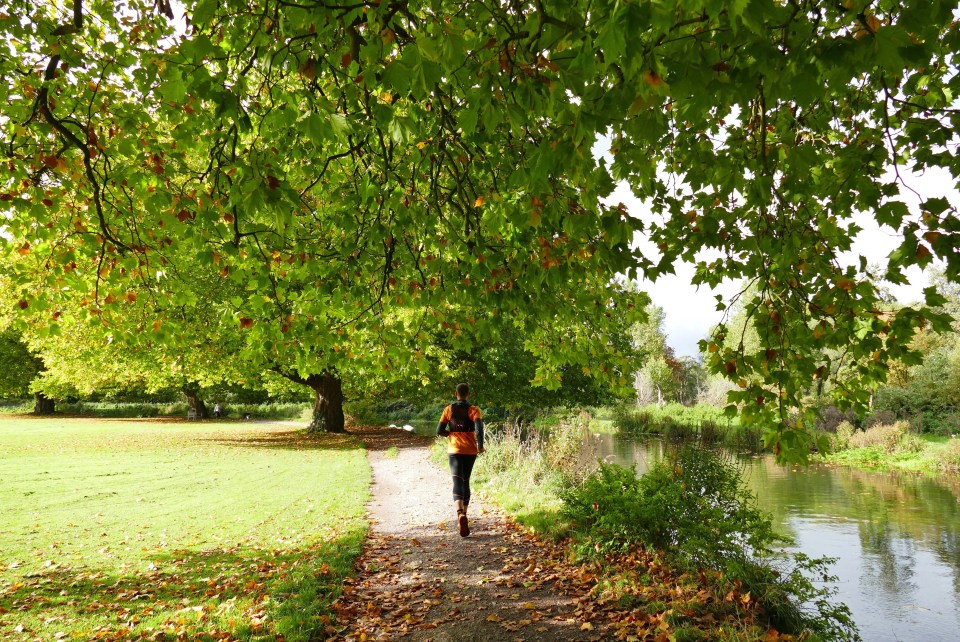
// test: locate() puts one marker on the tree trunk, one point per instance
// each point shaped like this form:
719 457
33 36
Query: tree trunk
42 405
327 399
327 404
195 403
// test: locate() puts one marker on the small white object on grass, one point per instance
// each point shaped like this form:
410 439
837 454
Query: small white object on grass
408 427
393 426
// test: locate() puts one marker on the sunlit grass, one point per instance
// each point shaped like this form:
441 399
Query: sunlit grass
928 459
201 530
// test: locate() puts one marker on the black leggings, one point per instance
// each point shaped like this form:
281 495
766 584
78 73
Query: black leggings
460 467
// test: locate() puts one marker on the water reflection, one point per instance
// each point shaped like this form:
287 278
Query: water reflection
896 537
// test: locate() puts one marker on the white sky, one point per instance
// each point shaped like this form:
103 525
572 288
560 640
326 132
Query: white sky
690 313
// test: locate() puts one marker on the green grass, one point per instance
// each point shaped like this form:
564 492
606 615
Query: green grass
602 426
204 531
876 457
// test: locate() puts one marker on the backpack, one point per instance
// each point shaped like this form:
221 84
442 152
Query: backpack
460 420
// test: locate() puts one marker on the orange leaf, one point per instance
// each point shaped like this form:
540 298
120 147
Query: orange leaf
652 79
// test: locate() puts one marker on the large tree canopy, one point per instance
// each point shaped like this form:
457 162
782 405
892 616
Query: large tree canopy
363 172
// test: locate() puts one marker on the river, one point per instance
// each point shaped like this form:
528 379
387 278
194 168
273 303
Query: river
896 536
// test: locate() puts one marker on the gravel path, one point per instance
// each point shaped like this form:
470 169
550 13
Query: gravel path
419 580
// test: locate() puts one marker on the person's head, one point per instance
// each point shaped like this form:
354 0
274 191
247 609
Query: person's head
463 391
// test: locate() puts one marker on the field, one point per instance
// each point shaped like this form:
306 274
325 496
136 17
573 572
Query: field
117 529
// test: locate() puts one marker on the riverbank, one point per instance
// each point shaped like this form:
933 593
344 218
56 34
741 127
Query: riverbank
894 447
623 537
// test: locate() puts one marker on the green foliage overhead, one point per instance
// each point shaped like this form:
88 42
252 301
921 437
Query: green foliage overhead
18 366
365 173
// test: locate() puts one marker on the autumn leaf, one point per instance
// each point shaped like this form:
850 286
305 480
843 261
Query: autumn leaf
652 79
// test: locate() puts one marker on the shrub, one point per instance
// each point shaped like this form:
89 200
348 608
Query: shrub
910 443
879 417
693 502
675 431
887 436
744 439
938 423
840 440
949 456
831 417
695 506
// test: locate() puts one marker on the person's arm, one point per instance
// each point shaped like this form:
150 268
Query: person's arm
444 422
479 428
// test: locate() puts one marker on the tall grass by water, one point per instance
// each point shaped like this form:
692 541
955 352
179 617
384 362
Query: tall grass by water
677 423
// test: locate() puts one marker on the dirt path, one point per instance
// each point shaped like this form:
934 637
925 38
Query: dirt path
419 580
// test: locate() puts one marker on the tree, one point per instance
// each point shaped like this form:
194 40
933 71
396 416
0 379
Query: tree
692 380
189 350
658 377
19 369
350 164
503 373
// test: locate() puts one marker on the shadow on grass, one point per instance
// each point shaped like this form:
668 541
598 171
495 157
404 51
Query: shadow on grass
244 592
377 438
288 440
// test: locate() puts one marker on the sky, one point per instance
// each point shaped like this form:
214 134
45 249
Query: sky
691 312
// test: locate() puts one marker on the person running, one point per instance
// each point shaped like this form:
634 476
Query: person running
462 424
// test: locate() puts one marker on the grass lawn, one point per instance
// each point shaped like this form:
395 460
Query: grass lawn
123 529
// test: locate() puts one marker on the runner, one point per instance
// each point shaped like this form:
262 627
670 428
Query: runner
462 424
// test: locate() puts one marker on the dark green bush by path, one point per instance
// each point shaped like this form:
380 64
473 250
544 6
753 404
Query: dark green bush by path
695 506
692 502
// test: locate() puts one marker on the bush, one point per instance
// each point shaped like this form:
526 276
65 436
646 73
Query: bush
113 410
949 456
693 503
744 439
675 431
831 417
840 440
939 423
879 417
695 506
891 437
710 432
